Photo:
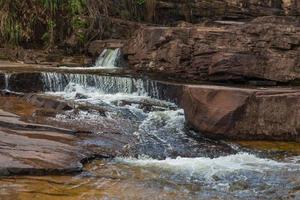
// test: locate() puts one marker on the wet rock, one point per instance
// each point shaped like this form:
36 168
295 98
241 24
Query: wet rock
45 113
147 104
85 106
48 102
2 81
26 82
266 48
80 96
241 113
30 149
239 185
35 149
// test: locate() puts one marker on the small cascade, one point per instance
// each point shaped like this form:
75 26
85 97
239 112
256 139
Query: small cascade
109 58
57 82
6 80
54 81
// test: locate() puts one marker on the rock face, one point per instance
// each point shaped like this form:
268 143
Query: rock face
239 113
265 48
224 9
170 11
25 82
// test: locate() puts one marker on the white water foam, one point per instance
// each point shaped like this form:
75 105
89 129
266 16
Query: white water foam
207 167
57 82
94 95
108 59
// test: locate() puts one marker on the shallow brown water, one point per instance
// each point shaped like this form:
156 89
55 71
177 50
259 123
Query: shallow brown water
276 146
115 180
194 178
104 182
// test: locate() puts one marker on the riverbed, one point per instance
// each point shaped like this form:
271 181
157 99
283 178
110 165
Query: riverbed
148 151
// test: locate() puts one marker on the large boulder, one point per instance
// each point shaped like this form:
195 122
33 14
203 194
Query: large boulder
241 113
266 48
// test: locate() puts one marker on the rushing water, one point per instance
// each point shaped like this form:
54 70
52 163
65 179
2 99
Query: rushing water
6 81
162 160
58 82
157 127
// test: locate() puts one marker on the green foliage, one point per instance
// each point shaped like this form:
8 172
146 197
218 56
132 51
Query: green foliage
19 19
82 38
78 23
53 21
140 2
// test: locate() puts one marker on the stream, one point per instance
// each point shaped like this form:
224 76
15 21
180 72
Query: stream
159 156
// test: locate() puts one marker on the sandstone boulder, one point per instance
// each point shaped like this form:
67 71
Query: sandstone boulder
241 113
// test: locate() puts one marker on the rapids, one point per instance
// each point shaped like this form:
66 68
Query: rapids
157 126
159 156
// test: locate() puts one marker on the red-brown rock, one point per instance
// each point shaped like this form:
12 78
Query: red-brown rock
36 149
240 113
266 48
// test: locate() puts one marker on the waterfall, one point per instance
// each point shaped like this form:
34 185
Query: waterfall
6 80
109 58
57 82
54 82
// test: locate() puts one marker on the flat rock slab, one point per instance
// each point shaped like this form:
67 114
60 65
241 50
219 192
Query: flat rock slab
32 149
243 113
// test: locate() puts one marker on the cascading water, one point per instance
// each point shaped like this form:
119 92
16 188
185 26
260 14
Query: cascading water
6 81
109 58
57 82
158 124
159 157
